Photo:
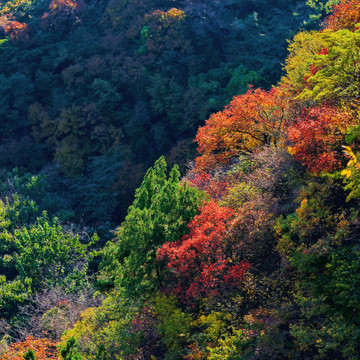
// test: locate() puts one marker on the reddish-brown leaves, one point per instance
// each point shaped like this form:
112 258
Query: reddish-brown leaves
345 16
317 138
251 121
44 349
216 186
201 262
15 29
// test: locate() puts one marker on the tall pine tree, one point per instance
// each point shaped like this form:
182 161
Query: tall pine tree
160 213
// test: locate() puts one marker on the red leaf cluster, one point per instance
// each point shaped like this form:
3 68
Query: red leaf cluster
345 16
317 138
201 262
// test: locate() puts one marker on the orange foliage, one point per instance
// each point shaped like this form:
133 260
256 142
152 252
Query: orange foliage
63 5
12 6
15 29
44 349
167 17
317 138
249 122
345 16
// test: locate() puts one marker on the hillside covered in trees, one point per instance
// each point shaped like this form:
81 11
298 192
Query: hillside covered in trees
240 241
93 92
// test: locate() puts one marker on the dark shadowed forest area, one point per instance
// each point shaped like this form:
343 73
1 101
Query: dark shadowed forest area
93 92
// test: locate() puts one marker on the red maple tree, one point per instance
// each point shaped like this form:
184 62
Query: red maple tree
202 262
249 122
317 138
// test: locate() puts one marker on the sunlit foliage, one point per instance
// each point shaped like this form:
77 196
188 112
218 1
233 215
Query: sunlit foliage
162 208
317 138
204 262
250 122
345 15
43 349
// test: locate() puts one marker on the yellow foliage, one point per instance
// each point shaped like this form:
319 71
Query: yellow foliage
302 50
13 5
108 325
167 17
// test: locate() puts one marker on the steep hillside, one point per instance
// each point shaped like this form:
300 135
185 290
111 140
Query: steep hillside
253 254
93 92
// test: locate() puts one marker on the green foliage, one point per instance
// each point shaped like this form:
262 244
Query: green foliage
98 90
86 78
162 208
324 65
302 50
26 185
108 97
315 218
69 351
35 254
23 8
34 191
317 244
166 94
215 325
173 326
12 294
109 327
18 211
97 188
16 95
337 76
328 297
207 330
231 347
351 173
13 214
30 355
321 7
240 80
49 256
101 354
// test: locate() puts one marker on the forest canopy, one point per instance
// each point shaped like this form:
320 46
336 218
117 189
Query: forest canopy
240 241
